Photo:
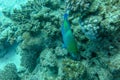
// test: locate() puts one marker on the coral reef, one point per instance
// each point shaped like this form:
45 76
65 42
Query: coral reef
114 66
28 53
69 66
53 68
78 5
35 27
99 24
98 35
5 38
99 20
48 58
9 73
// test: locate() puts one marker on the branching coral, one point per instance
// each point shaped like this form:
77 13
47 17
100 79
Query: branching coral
78 5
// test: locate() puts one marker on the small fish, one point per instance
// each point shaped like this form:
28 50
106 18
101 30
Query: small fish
68 38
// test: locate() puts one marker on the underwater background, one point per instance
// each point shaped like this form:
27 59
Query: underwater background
59 39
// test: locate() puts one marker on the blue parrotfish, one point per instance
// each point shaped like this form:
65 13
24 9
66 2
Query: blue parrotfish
68 38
